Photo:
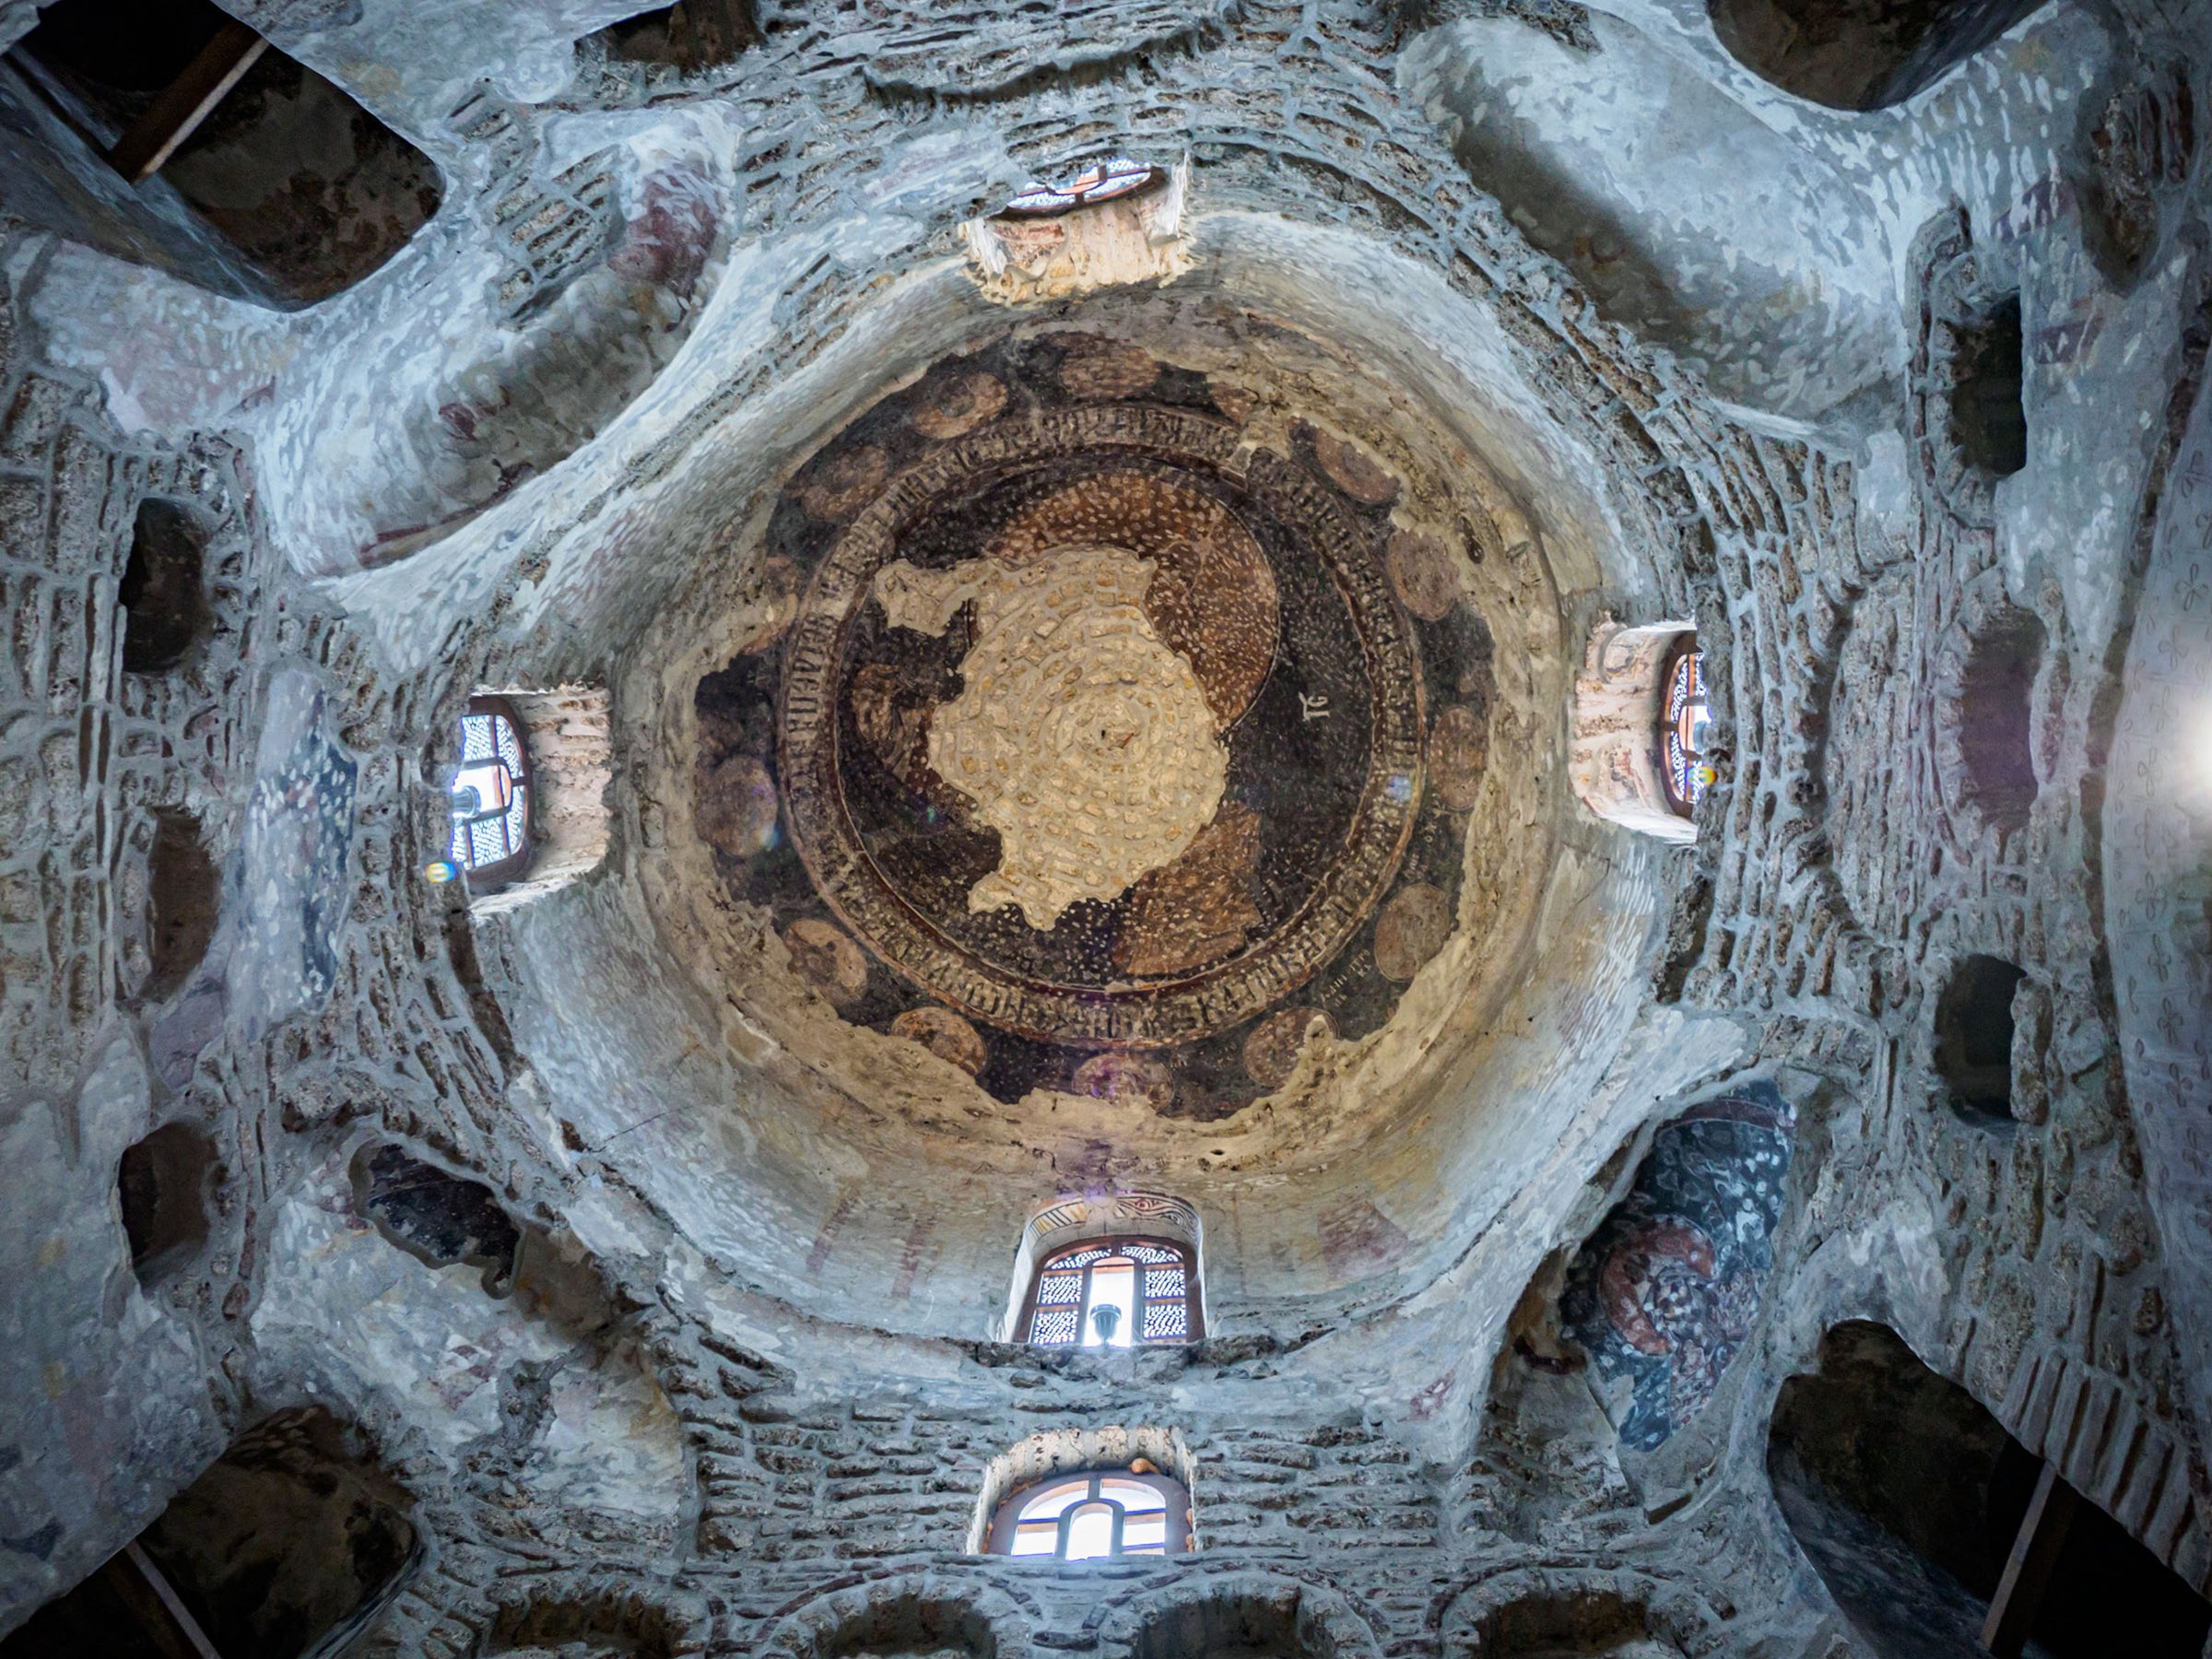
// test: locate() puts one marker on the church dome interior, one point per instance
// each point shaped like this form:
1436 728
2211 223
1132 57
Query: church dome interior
997 829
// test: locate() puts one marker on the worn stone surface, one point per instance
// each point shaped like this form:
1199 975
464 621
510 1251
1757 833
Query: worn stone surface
1548 320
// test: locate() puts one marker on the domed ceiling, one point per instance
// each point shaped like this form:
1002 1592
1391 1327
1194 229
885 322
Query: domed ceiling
1098 738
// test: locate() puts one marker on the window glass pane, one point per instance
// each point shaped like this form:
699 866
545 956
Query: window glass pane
1167 1322
1687 723
1042 1538
1164 1281
486 841
1047 1502
1139 1532
1110 1320
1131 1494
1090 1533
476 737
1055 1288
1053 1328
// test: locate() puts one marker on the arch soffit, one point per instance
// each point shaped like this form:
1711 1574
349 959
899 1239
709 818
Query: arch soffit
817 1626
1328 1624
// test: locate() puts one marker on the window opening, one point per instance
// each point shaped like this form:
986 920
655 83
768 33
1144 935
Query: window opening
691 35
1919 1511
490 796
1114 1293
1686 719
163 598
1989 411
1996 716
1859 54
1973 1036
162 1186
290 191
1101 182
1100 1514
289 1544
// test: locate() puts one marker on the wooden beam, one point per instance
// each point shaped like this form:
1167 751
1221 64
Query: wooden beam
180 107
2027 1568
154 1603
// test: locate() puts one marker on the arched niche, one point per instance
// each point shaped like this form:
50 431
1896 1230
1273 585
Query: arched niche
1967 407
1912 1501
689 37
1859 54
170 134
181 900
1667 1289
904 1619
1241 1615
1973 1038
1072 1220
165 1186
1576 1613
1615 764
289 1544
1073 1451
435 1216
163 590
1992 691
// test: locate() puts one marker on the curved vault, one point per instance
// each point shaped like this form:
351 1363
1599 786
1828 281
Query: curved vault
865 1140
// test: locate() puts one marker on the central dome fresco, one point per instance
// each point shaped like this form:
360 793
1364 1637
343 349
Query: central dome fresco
1094 742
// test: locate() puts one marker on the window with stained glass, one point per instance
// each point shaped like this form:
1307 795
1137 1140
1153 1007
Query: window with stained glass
1684 721
1114 1293
490 794
1101 182
1095 1516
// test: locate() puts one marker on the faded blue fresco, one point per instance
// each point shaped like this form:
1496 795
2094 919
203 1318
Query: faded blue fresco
1668 1288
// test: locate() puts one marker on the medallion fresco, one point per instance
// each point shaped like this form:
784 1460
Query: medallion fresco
1093 744
1666 1290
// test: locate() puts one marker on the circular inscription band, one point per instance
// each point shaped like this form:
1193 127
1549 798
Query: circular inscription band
1133 1014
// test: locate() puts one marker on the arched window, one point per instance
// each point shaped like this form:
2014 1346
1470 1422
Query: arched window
491 796
1101 182
1683 721
1096 1515
1114 1293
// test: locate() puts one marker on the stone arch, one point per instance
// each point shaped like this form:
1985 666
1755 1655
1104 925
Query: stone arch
1907 1494
1067 1449
566 731
898 1616
1550 1612
1966 411
1249 1614
1859 54
1614 765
